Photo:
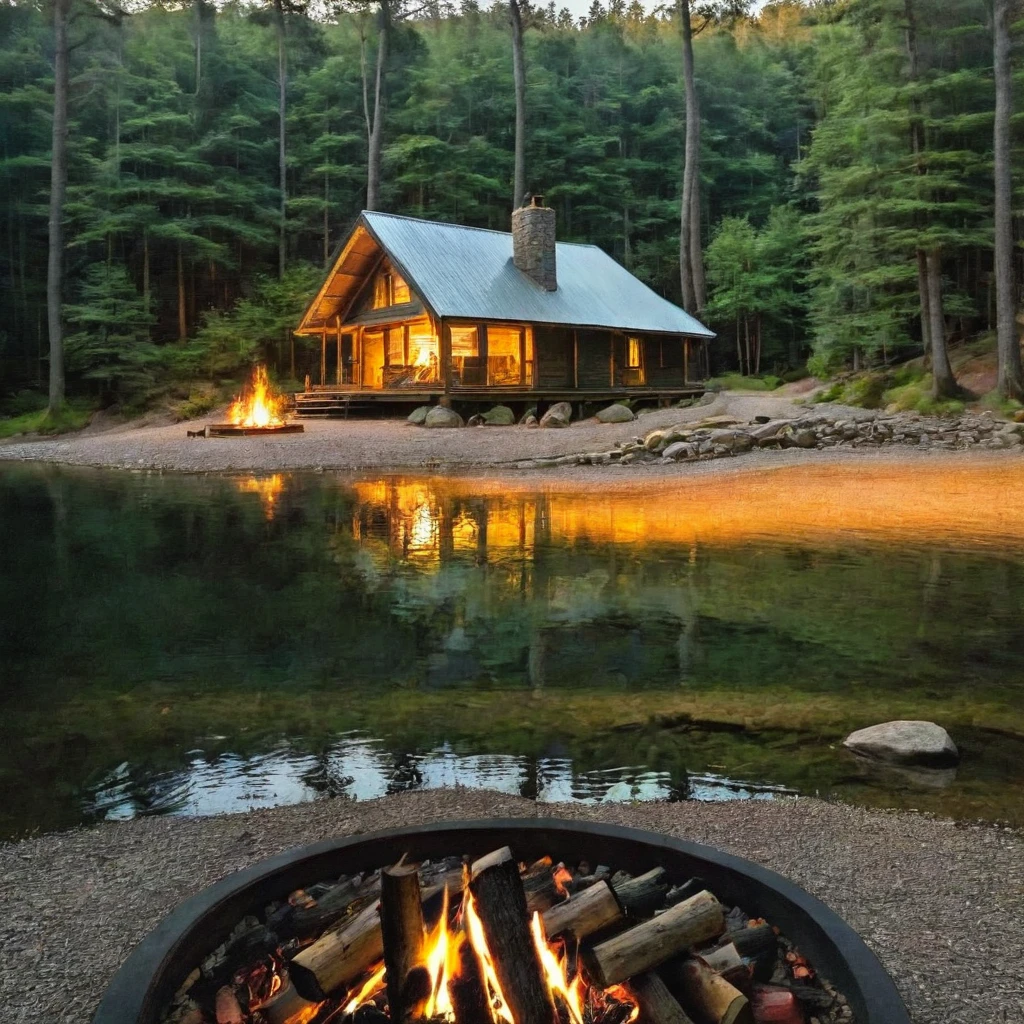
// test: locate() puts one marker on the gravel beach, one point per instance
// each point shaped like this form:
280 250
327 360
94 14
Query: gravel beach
377 444
936 900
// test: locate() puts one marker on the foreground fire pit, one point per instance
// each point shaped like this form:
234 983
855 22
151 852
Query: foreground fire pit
606 945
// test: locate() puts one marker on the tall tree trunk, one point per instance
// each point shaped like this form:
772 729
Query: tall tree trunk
374 126
519 78
327 202
182 320
917 147
689 235
922 289
58 186
282 104
700 288
145 271
197 7
945 385
1010 377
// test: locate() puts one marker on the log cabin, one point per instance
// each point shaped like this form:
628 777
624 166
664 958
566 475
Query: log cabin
420 311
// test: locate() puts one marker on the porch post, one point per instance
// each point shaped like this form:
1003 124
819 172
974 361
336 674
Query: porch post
323 356
337 325
445 341
686 361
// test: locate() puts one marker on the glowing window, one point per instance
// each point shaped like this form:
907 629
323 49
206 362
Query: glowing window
381 291
396 346
504 350
399 291
633 353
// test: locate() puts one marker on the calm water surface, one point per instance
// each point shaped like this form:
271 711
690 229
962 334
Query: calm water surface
191 645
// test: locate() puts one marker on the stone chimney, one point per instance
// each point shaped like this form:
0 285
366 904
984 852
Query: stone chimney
533 242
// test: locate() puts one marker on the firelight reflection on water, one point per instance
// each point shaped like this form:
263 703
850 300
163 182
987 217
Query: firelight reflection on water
190 645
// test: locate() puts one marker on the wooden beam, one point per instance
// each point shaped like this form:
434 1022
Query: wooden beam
686 361
575 359
323 356
337 333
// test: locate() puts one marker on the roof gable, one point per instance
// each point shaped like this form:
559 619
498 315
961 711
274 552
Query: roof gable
462 272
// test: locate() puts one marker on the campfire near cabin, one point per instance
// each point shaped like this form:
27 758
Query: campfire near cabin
257 410
494 941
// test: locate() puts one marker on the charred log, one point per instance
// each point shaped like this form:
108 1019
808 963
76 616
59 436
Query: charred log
641 896
656 1002
401 925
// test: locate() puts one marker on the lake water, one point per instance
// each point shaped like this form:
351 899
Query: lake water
186 645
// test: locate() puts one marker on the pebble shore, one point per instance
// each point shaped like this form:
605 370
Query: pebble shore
936 900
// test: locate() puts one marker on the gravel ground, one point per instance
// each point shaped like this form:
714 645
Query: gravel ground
375 444
939 902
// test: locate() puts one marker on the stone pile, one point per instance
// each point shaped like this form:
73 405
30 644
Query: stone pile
721 436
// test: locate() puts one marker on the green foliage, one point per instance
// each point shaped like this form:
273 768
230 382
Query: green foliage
737 382
252 330
73 415
108 341
916 396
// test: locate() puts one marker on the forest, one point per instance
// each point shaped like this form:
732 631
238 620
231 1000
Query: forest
828 184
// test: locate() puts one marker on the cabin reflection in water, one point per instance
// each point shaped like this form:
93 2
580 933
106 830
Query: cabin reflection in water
501 573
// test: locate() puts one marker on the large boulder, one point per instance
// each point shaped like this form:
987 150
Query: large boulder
418 416
768 433
439 416
617 413
559 415
919 743
499 416
803 437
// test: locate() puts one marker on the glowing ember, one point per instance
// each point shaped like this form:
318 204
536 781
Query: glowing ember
257 405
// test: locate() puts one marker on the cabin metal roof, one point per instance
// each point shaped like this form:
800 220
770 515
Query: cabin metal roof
462 272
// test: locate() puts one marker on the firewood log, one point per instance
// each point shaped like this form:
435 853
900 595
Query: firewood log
539 886
584 912
691 923
339 957
466 989
726 961
709 997
656 1002
640 896
401 925
321 913
500 904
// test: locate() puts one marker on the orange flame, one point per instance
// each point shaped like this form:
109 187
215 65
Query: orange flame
257 405
554 973
442 961
562 876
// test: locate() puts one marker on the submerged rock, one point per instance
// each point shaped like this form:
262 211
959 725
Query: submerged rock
559 415
905 742
439 416
418 416
617 413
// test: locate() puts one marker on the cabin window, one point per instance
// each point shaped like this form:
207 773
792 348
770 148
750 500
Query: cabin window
528 357
504 355
389 289
634 347
424 353
466 364
399 291
396 346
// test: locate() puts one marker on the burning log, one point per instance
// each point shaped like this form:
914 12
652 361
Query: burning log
499 902
540 886
401 925
656 1002
584 913
709 997
317 913
466 989
339 957
691 923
